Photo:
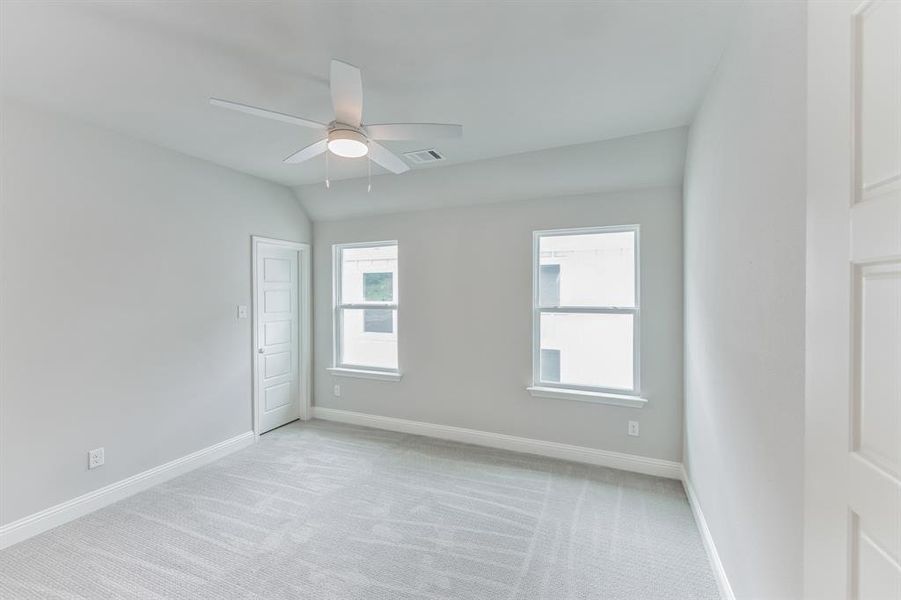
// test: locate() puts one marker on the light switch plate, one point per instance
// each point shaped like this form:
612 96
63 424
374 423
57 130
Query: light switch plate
242 311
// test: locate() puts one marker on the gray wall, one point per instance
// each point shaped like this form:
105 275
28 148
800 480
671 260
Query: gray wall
465 320
744 302
122 265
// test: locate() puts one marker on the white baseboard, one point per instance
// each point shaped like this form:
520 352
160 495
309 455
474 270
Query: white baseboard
593 456
36 523
722 581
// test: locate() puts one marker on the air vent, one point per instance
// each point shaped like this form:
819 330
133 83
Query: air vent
421 157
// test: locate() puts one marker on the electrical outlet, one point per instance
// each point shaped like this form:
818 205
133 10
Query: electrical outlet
633 428
242 311
337 390
95 458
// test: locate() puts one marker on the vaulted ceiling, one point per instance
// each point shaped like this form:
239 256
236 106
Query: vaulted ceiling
520 76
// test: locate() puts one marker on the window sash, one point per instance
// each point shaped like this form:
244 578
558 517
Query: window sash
536 355
538 310
340 306
339 364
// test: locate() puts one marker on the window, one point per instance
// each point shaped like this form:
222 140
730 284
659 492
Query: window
586 313
365 320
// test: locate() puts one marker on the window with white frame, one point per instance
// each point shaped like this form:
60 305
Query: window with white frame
365 280
586 310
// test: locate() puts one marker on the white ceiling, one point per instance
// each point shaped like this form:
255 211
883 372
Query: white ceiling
519 76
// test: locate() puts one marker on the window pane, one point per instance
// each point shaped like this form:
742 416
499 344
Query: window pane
593 269
593 349
549 285
369 274
378 320
369 337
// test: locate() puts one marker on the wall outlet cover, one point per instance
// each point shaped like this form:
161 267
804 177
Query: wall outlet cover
95 458
633 428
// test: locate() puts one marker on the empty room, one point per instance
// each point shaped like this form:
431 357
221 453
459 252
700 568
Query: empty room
451 300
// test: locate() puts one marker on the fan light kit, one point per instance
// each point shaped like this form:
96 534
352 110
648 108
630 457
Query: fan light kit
347 143
347 136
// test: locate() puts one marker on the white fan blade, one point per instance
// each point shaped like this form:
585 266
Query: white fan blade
347 93
308 152
267 114
384 157
413 131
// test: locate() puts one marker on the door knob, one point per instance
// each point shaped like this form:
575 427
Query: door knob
261 351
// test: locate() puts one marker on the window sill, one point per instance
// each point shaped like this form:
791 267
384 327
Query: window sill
364 374
585 396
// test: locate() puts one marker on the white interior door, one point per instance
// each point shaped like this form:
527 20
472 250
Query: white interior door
277 318
853 436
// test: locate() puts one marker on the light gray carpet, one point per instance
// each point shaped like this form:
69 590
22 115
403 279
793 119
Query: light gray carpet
321 510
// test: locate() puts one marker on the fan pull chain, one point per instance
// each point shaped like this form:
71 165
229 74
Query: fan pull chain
327 182
369 170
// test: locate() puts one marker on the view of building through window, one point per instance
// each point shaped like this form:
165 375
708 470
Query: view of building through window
587 308
366 307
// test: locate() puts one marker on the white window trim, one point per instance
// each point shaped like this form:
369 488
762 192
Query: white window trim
583 396
365 374
345 369
602 395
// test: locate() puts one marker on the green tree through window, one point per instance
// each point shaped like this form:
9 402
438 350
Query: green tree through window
378 287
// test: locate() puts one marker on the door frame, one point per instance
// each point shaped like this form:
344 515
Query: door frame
304 322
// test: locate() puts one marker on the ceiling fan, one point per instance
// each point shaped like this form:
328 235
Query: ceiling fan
347 136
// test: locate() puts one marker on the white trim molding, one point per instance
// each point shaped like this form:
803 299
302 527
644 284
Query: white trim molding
719 573
365 374
582 454
586 396
39 522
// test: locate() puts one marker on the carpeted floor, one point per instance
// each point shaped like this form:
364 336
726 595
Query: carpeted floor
326 511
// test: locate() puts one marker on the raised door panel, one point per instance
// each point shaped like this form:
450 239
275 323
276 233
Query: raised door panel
277 270
276 364
277 301
878 576
879 94
277 332
877 402
277 396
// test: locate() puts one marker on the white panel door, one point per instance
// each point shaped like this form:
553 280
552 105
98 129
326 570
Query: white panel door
853 486
277 319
